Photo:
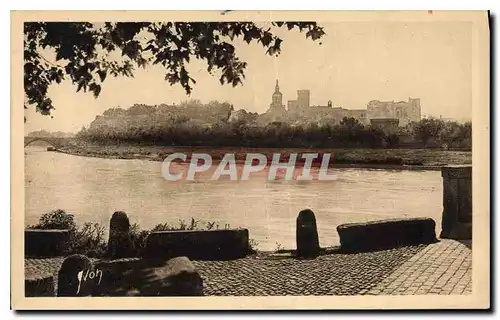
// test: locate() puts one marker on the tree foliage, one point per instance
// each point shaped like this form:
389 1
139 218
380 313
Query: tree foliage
447 134
193 123
196 124
83 52
429 128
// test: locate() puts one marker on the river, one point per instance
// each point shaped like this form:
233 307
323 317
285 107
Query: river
93 188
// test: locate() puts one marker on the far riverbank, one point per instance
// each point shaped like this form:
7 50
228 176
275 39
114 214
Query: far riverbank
397 159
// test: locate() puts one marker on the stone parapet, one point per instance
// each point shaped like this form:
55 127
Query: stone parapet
205 245
46 243
386 234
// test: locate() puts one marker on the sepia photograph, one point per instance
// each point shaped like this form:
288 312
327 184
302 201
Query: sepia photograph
303 156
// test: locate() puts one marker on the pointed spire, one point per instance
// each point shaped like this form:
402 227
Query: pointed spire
277 88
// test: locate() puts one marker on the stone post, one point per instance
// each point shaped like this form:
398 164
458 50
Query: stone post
457 202
307 235
120 243
68 282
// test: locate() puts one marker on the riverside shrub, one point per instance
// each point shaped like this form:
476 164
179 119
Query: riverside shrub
87 239
57 219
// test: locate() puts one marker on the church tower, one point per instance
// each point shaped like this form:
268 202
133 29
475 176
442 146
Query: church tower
277 101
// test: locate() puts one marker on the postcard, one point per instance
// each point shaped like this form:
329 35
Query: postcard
232 160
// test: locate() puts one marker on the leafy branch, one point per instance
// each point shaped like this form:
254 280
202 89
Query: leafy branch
83 52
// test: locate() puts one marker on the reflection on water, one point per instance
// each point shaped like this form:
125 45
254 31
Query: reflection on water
92 189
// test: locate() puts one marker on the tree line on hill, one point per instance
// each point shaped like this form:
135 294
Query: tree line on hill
196 124
47 134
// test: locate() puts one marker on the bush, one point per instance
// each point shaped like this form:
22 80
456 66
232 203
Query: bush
392 140
252 246
88 239
162 227
183 225
138 237
56 219
279 248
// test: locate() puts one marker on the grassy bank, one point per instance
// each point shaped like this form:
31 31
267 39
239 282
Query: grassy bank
423 158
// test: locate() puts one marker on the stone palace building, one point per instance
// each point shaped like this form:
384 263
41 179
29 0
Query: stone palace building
300 110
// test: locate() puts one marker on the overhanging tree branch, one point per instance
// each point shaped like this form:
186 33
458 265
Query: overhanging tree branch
79 47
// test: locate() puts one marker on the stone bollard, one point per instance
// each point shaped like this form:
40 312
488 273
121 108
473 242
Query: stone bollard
120 243
68 282
307 235
457 202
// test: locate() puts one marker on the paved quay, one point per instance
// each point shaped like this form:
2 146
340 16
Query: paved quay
440 268
331 274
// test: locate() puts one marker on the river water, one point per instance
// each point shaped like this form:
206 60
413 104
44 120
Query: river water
93 188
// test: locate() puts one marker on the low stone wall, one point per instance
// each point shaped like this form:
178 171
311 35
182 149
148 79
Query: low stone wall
385 234
45 243
203 245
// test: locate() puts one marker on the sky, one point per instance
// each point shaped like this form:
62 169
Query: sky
356 62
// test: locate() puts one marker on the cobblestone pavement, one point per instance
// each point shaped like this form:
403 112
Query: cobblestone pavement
333 274
34 268
38 268
441 268
265 274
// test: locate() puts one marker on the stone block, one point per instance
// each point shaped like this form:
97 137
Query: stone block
40 286
70 275
148 277
202 245
386 234
40 243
